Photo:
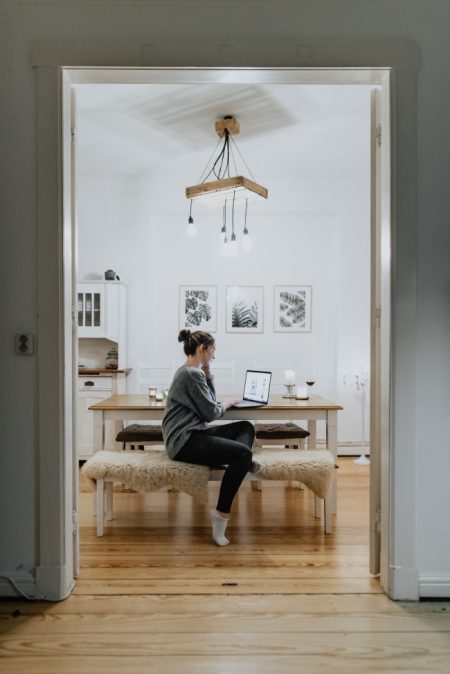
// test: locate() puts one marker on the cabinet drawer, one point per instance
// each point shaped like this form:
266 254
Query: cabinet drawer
87 383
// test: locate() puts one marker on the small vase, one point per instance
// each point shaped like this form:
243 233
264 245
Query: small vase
112 360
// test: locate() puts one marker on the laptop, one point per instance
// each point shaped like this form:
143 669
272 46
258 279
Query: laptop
256 389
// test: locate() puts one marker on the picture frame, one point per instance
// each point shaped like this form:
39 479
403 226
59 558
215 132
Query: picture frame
245 309
197 308
292 307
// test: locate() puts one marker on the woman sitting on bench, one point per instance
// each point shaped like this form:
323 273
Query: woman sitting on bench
190 405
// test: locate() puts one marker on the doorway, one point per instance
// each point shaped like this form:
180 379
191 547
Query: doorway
380 201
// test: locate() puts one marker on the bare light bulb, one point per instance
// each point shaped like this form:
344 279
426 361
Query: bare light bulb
191 229
225 246
247 241
233 250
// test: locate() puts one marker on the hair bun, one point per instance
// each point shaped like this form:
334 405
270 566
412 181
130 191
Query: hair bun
184 335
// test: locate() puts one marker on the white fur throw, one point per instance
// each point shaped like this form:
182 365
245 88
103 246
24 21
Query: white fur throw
151 470
313 467
148 471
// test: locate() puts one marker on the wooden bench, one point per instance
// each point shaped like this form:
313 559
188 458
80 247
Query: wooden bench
152 469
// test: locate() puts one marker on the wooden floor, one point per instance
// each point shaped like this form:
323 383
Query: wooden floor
156 596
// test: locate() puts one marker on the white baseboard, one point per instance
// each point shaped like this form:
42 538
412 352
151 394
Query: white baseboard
404 583
346 448
25 581
434 586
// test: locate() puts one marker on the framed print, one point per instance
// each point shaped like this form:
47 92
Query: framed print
198 308
245 309
292 308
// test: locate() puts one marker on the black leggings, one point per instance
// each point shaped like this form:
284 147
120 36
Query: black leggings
216 446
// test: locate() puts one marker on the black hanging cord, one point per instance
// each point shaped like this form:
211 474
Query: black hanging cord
200 180
219 168
233 235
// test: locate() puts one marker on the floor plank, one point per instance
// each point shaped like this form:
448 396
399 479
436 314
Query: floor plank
156 596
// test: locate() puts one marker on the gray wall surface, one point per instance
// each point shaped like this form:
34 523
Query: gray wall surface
24 23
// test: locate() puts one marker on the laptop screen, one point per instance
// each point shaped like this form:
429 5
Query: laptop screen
257 386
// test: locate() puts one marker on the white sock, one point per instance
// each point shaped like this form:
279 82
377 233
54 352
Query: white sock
219 524
255 467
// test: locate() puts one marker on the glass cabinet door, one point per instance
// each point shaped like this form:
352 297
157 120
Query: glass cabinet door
90 310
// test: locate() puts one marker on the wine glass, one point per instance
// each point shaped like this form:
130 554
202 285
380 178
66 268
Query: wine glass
310 379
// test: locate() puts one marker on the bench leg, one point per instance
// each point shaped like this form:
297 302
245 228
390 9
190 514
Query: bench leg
296 444
109 501
100 507
327 516
317 506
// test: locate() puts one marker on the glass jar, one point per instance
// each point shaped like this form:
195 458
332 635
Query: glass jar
112 359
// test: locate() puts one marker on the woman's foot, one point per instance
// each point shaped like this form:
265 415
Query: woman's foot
255 467
219 524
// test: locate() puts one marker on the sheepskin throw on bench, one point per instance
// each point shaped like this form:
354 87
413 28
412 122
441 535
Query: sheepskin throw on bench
151 470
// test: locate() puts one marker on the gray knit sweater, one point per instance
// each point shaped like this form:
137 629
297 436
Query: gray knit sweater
190 405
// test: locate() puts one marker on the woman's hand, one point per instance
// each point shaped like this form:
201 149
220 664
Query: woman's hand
206 371
229 402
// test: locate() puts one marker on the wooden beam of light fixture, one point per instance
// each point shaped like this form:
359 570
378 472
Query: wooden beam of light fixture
217 190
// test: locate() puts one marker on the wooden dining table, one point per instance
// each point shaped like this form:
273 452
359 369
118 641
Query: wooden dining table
130 407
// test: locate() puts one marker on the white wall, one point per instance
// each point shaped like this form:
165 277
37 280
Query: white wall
131 224
23 24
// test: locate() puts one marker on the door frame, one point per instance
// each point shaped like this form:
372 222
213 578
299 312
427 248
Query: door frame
398 62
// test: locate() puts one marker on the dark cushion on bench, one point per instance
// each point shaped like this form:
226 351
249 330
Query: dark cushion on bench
277 431
139 433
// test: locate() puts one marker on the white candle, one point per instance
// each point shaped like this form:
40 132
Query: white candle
289 377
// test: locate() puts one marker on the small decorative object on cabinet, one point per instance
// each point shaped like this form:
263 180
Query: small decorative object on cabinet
112 359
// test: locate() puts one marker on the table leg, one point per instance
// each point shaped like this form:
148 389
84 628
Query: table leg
312 428
332 446
99 433
98 441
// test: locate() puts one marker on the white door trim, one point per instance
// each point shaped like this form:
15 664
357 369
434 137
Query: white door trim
54 575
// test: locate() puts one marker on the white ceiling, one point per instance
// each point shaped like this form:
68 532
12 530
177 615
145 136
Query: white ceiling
135 129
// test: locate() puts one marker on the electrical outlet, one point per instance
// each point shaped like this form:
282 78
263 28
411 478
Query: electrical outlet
24 344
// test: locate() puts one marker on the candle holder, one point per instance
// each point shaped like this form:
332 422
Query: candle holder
290 391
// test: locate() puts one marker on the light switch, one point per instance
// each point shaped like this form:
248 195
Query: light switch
24 344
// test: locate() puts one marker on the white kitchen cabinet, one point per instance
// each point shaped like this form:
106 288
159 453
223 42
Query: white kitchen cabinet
86 422
101 310
92 389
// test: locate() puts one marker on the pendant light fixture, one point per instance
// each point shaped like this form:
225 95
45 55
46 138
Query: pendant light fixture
228 189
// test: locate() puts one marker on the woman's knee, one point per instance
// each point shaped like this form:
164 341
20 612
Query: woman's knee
247 428
246 455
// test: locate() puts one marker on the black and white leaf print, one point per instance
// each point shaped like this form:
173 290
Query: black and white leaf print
292 308
244 315
196 308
